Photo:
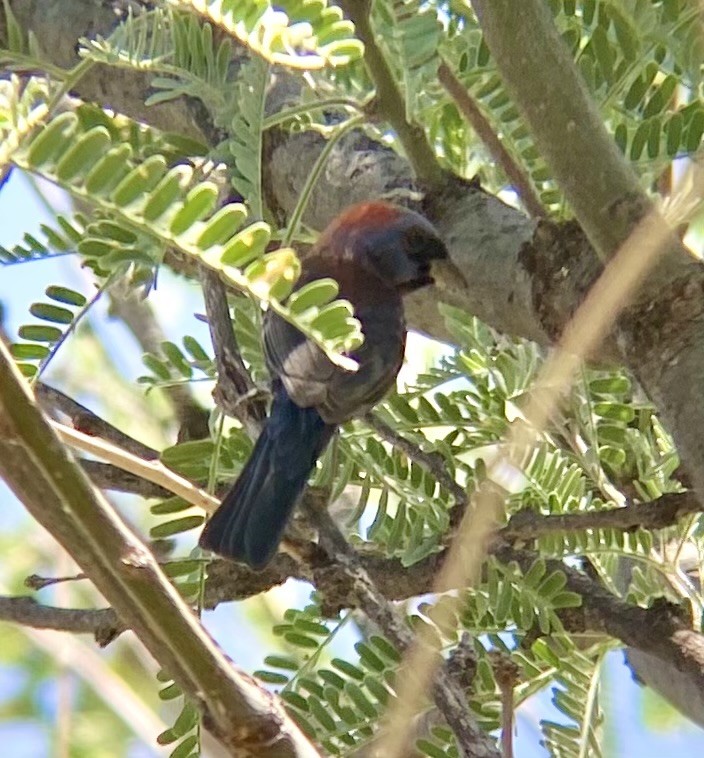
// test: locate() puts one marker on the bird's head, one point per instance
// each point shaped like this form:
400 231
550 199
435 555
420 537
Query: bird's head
394 243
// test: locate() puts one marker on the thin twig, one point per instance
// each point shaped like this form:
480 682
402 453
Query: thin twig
432 462
138 316
506 674
88 422
105 476
152 471
520 181
660 513
28 612
528 524
235 392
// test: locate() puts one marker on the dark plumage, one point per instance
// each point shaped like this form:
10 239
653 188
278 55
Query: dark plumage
376 252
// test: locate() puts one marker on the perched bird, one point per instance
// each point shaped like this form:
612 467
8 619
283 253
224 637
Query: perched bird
376 252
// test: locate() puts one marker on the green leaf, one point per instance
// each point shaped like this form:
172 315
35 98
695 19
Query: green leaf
249 244
65 295
222 225
347 668
167 192
618 411
369 657
187 720
200 201
52 139
140 180
356 694
178 526
281 662
612 385
186 747
39 333
315 293
157 367
271 677
318 711
109 171
430 749
167 737
83 153
300 640
53 313
28 352
170 693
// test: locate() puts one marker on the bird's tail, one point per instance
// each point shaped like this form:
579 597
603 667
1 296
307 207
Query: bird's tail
250 522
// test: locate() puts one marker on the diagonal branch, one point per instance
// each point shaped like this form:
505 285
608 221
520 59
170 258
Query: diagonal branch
432 462
383 580
140 319
388 103
105 476
84 420
661 630
35 464
466 105
152 471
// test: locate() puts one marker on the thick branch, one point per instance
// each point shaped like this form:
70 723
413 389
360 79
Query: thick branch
46 479
660 631
564 119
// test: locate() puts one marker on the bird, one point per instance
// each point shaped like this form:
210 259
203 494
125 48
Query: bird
376 252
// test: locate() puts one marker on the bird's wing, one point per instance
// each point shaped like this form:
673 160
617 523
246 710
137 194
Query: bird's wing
300 364
379 358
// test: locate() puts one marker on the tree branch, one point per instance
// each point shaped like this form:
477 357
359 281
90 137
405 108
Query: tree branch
139 318
152 471
660 513
102 623
235 391
105 476
565 121
660 630
675 643
45 478
432 462
388 104
84 420
518 178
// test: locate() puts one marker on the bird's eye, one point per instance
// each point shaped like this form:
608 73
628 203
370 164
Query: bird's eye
423 245
415 242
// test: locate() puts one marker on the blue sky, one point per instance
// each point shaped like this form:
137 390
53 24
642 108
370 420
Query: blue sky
638 724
